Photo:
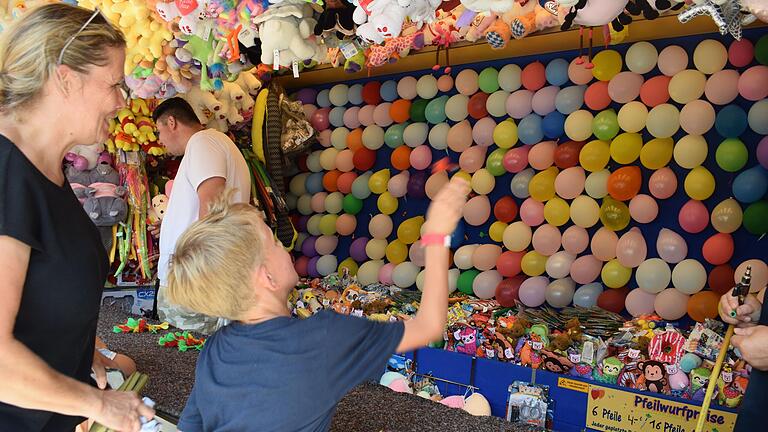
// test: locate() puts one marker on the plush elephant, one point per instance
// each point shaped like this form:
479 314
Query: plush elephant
286 28
106 206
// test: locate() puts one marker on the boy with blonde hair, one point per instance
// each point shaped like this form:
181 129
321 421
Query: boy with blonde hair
267 371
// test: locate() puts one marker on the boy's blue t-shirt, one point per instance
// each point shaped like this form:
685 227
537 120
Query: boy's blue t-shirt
285 374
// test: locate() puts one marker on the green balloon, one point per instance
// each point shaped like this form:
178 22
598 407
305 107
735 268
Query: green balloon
465 281
489 80
393 137
731 155
495 162
435 111
417 110
605 125
756 218
761 50
352 204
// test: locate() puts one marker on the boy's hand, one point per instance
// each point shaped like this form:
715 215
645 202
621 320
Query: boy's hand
445 211
747 314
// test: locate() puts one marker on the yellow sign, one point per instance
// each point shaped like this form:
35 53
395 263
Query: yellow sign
613 410
579 386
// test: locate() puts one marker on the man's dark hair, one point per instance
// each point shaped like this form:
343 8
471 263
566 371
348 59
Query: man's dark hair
177 107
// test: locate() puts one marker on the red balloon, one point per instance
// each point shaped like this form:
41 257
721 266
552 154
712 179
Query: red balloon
567 154
508 263
625 182
655 91
507 291
534 76
320 120
476 106
302 163
720 279
516 159
596 97
363 159
505 209
345 182
718 249
372 93
302 265
613 299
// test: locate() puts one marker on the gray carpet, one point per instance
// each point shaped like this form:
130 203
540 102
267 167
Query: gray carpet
369 407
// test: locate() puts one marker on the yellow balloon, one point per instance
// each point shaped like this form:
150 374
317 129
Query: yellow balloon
585 212
657 153
687 86
632 116
607 63
691 151
699 183
496 231
663 121
483 182
533 263
614 214
517 236
556 211
464 175
409 230
614 274
387 203
397 251
595 155
505 134
328 224
626 147
378 181
618 37
727 216
578 125
350 265
542 185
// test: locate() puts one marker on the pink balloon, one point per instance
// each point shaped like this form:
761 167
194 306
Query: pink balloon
345 225
693 217
753 83
624 87
320 120
317 203
722 87
663 183
516 159
697 117
671 246
352 117
421 157
324 138
365 115
398 184
482 131
639 302
344 161
456 401
532 212
578 73
631 249
643 208
477 210
672 60
519 104
485 256
417 254
460 136
671 304
741 53
533 290
604 244
759 273
586 269
385 273
381 114
542 155
569 183
546 239
473 158
575 240
543 101
444 83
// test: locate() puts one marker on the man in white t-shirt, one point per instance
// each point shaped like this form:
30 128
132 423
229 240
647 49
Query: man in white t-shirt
211 163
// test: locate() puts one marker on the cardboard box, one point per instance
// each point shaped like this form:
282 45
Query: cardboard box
138 300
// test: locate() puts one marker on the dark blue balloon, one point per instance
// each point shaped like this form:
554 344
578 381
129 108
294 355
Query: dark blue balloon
751 185
553 125
457 237
731 121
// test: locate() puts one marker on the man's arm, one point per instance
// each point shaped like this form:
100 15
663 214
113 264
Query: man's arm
208 191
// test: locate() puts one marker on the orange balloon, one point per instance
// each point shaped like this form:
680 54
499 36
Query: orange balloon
331 180
624 183
400 110
703 305
355 139
401 158
655 91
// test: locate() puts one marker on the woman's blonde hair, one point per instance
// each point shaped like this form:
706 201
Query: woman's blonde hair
31 47
210 270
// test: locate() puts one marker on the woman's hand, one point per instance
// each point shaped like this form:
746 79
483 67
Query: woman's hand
120 410
445 211
746 315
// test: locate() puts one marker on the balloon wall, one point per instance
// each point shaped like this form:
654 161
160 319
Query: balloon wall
638 184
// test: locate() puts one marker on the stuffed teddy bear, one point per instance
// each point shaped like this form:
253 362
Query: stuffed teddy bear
336 18
204 103
84 157
248 83
286 28
522 20
190 13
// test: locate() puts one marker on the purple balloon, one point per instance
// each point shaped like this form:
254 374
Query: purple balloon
307 95
533 291
308 247
357 249
416 184
301 225
762 152
312 267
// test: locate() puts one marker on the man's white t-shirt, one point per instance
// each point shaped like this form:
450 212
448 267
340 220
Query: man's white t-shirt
209 154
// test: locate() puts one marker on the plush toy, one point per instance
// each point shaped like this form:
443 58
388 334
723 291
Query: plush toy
608 370
555 363
385 20
699 380
393 49
490 6
754 9
249 83
286 28
730 388
725 13
190 14
106 206
84 157
204 103
654 377
336 18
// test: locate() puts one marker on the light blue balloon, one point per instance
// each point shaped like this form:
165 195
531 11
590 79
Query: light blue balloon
529 129
336 116
323 100
570 99
586 296
360 189
731 121
557 72
355 94
315 183
519 184
751 185
435 110
553 125
389 90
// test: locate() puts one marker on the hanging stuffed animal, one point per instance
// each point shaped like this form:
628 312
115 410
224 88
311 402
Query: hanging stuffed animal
725 13
754 9
336 18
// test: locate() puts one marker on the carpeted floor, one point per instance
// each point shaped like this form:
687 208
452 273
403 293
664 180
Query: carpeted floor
369 407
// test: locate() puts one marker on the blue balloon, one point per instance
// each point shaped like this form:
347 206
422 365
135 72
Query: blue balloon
731 121
336 116
315 183
457 237
323 101
586 295
389 91
553 125
570 99
557 72
751 185
355 94
529 130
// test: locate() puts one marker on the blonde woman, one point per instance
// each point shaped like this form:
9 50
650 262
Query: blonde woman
61 80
